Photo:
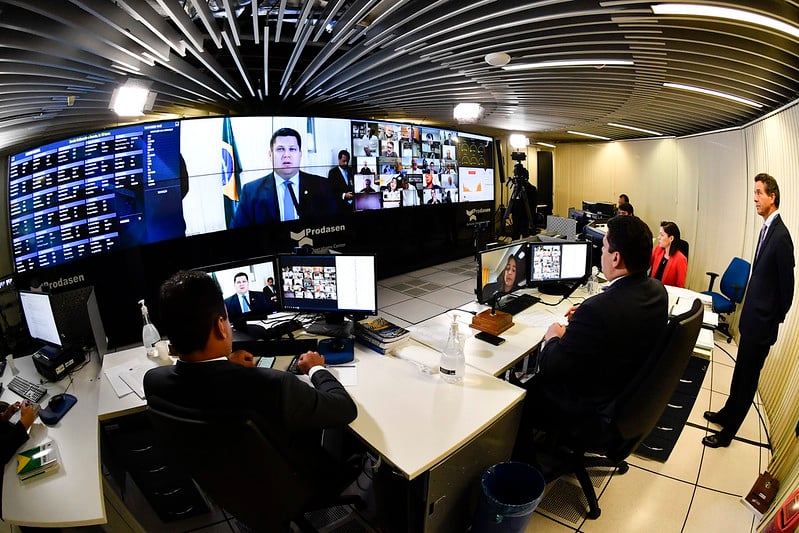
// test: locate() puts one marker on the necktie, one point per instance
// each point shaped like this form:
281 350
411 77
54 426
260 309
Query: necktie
245 307
760 240
289 213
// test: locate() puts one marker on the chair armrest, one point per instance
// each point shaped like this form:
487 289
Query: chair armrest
713 276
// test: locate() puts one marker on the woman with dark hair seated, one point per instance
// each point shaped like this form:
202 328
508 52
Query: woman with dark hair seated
668 263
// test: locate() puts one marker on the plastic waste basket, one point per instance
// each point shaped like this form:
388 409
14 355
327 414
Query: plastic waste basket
510 493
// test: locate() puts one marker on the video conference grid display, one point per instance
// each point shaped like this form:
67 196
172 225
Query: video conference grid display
328 283
502 269
550 262
151 182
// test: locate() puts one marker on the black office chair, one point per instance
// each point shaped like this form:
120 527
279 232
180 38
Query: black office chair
633 415
732 286
684 247
237 466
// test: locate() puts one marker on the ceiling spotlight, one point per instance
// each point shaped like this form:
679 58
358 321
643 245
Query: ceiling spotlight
133 98
497 59
467 112
518 141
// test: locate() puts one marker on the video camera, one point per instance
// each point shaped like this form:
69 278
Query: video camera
518 156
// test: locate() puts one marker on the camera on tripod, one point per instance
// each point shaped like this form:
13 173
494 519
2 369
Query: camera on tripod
518 156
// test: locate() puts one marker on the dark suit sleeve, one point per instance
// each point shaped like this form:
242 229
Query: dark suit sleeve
563 358
326 404
785 274
11 438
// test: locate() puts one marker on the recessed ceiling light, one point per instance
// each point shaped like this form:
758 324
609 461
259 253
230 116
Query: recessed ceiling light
589 135
546 144
713 93
642 130
569 63
725 13
497 59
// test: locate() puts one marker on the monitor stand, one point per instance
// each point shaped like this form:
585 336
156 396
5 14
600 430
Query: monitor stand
242 331
333 325
557 288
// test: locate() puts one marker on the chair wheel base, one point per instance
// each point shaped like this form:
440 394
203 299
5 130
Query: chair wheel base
622 468
593 514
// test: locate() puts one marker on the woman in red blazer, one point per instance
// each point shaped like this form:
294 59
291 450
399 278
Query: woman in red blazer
668 263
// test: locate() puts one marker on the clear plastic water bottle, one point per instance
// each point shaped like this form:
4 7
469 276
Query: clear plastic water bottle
453 362
593 282
149 335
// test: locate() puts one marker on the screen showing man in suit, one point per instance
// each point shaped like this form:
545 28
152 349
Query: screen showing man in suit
287 193
768 299
245 301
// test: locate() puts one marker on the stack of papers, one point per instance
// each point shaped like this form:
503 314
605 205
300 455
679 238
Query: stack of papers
129 377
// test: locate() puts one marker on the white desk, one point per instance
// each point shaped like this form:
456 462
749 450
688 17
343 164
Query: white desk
110 405
71 496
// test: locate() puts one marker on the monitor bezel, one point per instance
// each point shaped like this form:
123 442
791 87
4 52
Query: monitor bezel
586 272
522 284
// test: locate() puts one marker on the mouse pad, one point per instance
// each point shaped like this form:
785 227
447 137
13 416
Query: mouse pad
334 356
51 416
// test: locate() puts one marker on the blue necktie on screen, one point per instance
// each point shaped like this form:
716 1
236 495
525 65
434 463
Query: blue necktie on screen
245 307
289 213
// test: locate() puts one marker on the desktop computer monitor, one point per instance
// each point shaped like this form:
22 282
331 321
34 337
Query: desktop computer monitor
250 289
558 268
501 270
40 318
337 285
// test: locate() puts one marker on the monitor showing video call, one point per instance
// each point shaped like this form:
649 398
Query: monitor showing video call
250 288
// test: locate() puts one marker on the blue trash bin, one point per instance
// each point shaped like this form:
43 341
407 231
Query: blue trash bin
510 493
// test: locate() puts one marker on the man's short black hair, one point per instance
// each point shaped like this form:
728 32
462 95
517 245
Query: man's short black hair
285 132
627 208
342 153
189 303
624 198
632 238
240 274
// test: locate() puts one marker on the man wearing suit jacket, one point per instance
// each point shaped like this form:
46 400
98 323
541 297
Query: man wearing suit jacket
255 302
340 179
768 299
287 193
208 376
581 368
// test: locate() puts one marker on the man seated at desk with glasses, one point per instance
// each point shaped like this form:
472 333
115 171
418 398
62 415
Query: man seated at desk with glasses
582 367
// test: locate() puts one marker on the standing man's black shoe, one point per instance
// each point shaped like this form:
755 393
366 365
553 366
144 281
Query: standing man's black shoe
716 441
714 417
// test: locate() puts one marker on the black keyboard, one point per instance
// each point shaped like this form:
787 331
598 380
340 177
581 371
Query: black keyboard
26 389
518 304
294 366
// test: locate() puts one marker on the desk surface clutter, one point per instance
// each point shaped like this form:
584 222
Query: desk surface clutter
406 414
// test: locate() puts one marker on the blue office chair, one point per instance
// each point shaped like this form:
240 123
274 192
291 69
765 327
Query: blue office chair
733 287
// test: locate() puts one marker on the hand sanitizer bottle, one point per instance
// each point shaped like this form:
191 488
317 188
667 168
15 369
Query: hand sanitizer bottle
149 335
453 362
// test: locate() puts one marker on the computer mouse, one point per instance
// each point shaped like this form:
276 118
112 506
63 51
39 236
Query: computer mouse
337 345
56 402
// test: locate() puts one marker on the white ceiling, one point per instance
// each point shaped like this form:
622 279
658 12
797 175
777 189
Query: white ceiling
408 60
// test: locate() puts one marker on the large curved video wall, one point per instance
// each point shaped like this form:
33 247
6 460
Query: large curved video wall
148 183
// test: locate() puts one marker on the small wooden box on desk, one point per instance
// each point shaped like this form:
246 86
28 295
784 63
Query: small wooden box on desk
492 322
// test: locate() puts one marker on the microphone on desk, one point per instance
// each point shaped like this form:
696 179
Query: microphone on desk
494 300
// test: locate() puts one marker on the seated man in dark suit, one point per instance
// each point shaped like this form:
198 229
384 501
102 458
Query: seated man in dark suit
287 193
208 376
582 367
245 301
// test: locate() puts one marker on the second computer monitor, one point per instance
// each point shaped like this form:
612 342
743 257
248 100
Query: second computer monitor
341 284
559 262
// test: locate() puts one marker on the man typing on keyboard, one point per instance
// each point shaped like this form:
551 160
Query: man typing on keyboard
208 377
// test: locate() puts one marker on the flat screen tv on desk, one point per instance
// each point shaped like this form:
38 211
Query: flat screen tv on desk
336 285
558 268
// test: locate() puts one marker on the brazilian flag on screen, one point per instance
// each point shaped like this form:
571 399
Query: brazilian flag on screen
231 172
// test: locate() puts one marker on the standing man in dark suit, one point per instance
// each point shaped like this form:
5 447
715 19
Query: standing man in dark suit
340 178
208 376
244 300
768 299
286 193
581 368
